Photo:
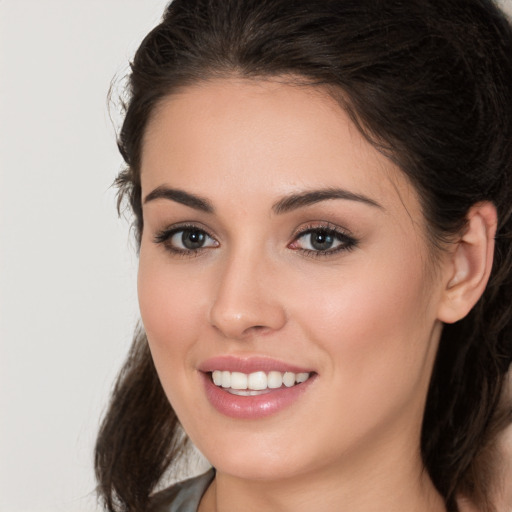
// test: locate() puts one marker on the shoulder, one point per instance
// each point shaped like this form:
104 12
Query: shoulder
182 496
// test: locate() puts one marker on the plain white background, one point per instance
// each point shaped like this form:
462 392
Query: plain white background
67 268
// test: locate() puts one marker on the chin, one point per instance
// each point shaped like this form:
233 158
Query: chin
256 458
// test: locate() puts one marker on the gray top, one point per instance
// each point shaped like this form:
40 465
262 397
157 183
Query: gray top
183 496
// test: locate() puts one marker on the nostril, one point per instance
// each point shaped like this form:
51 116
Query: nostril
260 329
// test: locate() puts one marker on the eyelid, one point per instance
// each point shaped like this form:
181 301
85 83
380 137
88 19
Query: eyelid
181 226
325 225
348 241
164 235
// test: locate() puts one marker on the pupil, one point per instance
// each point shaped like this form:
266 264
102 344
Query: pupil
192 239
322 240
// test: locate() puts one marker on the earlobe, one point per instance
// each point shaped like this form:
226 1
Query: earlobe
470 264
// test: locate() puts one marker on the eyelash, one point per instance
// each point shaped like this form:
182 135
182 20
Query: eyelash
346 241
164 237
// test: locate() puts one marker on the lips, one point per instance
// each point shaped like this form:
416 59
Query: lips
252 388
249 365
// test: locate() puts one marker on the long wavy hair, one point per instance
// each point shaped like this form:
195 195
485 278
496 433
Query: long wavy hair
428 83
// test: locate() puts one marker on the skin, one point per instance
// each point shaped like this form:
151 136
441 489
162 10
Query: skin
505 488
367 319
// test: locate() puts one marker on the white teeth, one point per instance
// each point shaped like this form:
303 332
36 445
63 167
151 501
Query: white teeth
289 379
301 377
217 378
274 380
237 382
257 381
226 380
247 392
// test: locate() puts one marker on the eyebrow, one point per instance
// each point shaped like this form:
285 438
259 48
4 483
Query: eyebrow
180 196
285 205
296 201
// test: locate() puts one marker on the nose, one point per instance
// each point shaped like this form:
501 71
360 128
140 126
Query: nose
246 301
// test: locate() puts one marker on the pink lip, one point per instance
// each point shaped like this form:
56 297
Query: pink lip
248 365
251 407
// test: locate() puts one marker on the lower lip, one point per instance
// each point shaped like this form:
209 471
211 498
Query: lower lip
253 407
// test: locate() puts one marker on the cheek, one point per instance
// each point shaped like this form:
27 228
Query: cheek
169 304
375 323
170 308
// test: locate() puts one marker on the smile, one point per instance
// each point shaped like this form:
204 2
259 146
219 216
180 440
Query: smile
256 383
254 388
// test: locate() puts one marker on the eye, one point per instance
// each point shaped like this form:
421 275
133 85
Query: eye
190 239
185 239
322 241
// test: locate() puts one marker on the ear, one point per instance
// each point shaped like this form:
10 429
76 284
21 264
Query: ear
469 264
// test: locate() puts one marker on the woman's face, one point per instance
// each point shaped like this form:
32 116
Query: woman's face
279 245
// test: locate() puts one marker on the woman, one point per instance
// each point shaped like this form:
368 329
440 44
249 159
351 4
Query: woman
322 197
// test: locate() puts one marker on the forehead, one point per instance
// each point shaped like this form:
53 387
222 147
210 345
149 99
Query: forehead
264 139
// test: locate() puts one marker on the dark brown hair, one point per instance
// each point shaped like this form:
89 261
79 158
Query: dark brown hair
429 83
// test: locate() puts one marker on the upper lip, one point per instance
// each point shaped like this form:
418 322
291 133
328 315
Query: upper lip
248 364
